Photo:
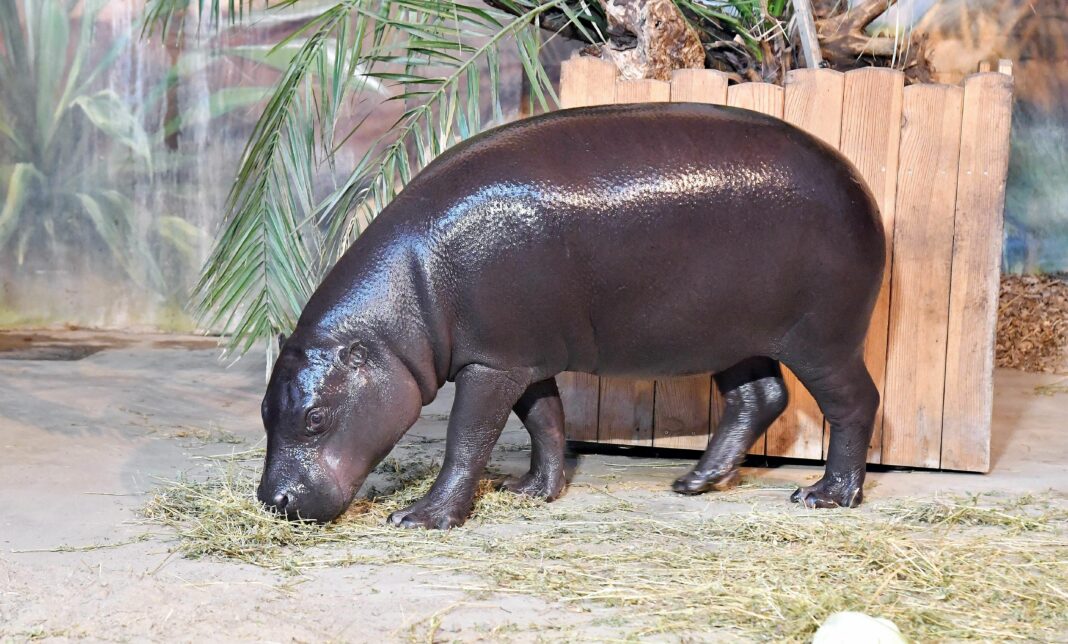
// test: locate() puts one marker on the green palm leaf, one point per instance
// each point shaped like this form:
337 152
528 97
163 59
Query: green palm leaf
108 113
280 234
16 192
168 13
448 111
259 273
428 54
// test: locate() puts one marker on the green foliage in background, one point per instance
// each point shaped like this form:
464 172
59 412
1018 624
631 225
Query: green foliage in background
280 233
48 109
1035 223
70 151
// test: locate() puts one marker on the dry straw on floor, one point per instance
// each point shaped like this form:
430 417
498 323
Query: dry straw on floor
1033 323
942 570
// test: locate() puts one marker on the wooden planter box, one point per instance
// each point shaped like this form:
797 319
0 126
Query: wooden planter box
935 156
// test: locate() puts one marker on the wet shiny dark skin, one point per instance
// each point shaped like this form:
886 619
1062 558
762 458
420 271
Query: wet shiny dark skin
642 240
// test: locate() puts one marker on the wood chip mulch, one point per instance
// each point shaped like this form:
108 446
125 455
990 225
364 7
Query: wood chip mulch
1033 323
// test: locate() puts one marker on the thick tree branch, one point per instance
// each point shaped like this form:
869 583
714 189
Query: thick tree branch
859 17
843 40
650 39
846 44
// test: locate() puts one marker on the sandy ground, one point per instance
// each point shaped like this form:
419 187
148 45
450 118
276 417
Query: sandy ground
81 442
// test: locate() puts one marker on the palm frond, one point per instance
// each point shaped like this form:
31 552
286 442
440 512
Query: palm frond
447 110
429 55
259 274
165 14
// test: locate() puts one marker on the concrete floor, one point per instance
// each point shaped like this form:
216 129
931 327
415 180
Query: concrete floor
81 442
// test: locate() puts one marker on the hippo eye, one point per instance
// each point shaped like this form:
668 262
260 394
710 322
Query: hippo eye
354 356
315 419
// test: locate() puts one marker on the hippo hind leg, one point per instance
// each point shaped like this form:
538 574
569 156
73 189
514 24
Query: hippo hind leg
755 396
542 414
849 400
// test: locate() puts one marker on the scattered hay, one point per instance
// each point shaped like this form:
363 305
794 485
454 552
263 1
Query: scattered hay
220 516
1033 323
1060 387
947 569
1013 515
40 633
204 436
88 547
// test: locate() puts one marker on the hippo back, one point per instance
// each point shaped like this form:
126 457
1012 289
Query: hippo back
634 239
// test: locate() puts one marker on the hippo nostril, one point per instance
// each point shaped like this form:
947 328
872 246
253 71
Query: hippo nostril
280 501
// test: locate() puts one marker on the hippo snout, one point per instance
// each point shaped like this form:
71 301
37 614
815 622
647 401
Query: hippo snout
297 505
276 502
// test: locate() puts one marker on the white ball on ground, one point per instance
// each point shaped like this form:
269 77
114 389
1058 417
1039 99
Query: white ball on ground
849 627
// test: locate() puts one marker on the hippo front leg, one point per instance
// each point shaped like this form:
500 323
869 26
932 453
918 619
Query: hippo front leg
484 398
542 414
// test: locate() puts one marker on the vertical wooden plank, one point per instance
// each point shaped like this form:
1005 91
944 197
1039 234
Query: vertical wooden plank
644 90
681 418
984 154
871 132
626 411
684 406
766 99
626 414
923 253
759 97
584 81
580 396
698 86
813 102
716 408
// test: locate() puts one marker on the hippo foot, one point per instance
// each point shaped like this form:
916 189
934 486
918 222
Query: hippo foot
698 482
537 485
424 514
829 493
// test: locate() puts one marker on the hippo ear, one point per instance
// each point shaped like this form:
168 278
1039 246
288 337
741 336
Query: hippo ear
355 355
281 340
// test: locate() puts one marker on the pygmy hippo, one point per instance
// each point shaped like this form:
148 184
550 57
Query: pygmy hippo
639 240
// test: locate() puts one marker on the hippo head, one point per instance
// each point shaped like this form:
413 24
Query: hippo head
332 411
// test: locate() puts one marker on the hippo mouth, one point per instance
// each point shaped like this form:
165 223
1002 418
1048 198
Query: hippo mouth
300 501
347 492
